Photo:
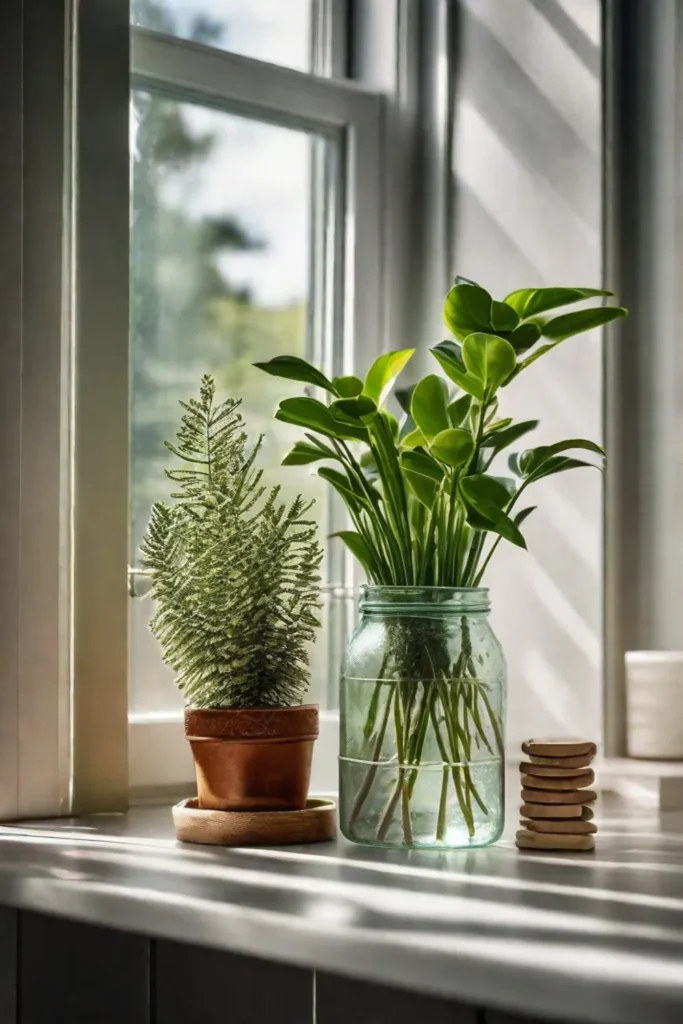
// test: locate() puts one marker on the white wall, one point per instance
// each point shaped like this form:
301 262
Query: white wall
527 211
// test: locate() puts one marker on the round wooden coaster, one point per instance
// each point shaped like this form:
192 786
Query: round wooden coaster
580 761
546 796
527 840
574 826
568 784
528 768
559 748
552 811
315 823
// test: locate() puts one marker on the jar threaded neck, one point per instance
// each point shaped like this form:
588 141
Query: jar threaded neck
441 600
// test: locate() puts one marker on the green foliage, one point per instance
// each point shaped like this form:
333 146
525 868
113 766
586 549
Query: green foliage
294 368
421 495
234 571
383 373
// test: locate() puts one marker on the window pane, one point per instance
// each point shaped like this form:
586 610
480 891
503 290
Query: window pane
278 31
220 278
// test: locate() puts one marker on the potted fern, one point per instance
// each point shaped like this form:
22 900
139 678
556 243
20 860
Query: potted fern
235 577
422 700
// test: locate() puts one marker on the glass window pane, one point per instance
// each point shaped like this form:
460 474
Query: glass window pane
220 269
278 31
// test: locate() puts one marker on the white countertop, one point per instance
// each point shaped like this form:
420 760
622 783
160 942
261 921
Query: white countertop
581 937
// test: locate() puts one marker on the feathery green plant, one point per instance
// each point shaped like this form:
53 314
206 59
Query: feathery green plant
235 573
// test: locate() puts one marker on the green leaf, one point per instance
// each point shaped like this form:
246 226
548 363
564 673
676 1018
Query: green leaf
419 462
449 357
383 373
490 359
303 453
369 465
479 487
532 301
424 489
453 446
404 397
392 423
566 326
415 439
348 387
533 458
525 336
501 439
507 482
491 412
560 464
467 309
569 324
429 407
524 514
488 498
458 410
358 549
293 368
496 522
353 410
349 489
503 317
309 413
498 425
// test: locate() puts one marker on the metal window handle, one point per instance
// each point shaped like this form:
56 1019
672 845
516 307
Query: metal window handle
139 583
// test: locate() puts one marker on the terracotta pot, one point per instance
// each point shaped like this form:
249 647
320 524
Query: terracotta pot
253 759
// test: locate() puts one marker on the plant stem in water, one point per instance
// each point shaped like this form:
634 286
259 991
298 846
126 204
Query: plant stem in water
443 805
455 770
364 791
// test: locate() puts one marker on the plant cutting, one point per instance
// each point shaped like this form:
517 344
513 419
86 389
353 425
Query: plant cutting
422 695
235 578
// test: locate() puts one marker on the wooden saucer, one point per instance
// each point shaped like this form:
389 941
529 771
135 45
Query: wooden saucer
314 824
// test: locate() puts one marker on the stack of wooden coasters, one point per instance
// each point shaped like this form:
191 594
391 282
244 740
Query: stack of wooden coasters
556 798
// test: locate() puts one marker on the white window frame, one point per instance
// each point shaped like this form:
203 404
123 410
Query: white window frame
64 285
352 117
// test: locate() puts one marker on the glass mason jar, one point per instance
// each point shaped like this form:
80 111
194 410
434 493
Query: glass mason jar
422 721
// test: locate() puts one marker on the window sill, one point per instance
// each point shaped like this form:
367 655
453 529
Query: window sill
492 927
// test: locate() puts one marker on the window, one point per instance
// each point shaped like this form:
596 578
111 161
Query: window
255 229
251 153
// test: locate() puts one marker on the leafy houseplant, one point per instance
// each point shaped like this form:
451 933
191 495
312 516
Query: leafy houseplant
235 576
422 695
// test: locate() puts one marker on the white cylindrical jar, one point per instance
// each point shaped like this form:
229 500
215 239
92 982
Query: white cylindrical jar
654 705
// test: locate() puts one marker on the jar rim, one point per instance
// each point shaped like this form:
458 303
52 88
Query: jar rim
460 599
365 587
